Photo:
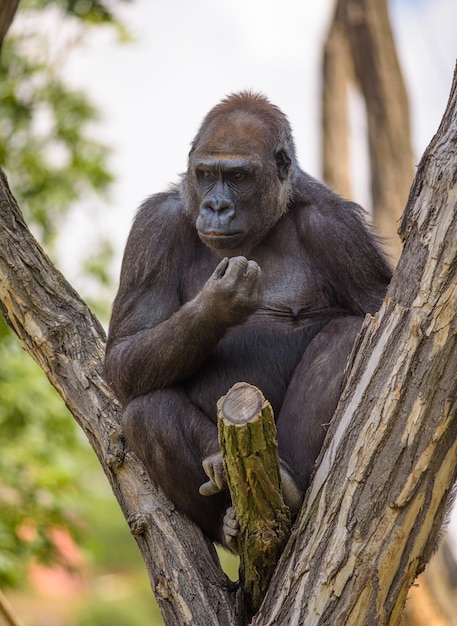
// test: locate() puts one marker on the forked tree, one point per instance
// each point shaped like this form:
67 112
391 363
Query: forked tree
373 512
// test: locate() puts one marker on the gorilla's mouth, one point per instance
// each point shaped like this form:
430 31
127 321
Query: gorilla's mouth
215 233
218 239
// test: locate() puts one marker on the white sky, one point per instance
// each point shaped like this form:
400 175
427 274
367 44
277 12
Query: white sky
186 56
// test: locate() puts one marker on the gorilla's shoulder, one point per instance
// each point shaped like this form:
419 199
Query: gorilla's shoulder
165 207
161 223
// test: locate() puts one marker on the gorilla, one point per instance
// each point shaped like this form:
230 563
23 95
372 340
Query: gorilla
248 270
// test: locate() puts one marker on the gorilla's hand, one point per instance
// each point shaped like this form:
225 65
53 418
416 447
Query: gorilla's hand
232 292
214 468
231 530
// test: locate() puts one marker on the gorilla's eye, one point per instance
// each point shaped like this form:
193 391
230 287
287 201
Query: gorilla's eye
207 175
237 175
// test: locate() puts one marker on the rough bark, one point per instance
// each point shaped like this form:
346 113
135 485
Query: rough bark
375 507
61 334
247 435
360 40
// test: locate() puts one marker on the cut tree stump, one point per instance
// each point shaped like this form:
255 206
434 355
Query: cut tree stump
247 436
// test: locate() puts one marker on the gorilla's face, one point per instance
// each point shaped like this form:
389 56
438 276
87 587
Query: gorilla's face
236 186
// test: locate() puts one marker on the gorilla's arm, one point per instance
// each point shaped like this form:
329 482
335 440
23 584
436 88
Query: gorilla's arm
153 342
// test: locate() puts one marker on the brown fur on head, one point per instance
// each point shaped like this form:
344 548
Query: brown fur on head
278 133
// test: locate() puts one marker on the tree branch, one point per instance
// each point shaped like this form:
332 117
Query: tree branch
360 50
337 77
66 340
7 613
8 10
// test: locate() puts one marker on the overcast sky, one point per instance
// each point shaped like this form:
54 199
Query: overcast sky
187 55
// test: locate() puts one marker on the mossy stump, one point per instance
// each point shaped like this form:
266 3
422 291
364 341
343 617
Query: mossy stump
247 436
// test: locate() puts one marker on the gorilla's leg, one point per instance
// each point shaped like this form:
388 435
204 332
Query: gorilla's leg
172 437
312 396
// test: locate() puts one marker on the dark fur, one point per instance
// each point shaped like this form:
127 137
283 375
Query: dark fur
180 336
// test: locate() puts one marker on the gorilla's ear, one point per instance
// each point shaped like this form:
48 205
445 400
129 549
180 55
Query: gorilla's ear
283 162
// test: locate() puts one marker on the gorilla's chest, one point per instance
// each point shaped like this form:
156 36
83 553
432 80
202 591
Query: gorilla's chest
289 289
266 348
292 290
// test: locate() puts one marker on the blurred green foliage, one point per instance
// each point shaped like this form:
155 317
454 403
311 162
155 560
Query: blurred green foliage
89 11
120 593
51 161
38 462
45 144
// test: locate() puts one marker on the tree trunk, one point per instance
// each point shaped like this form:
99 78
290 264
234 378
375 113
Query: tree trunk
360 41
375 506
337 74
